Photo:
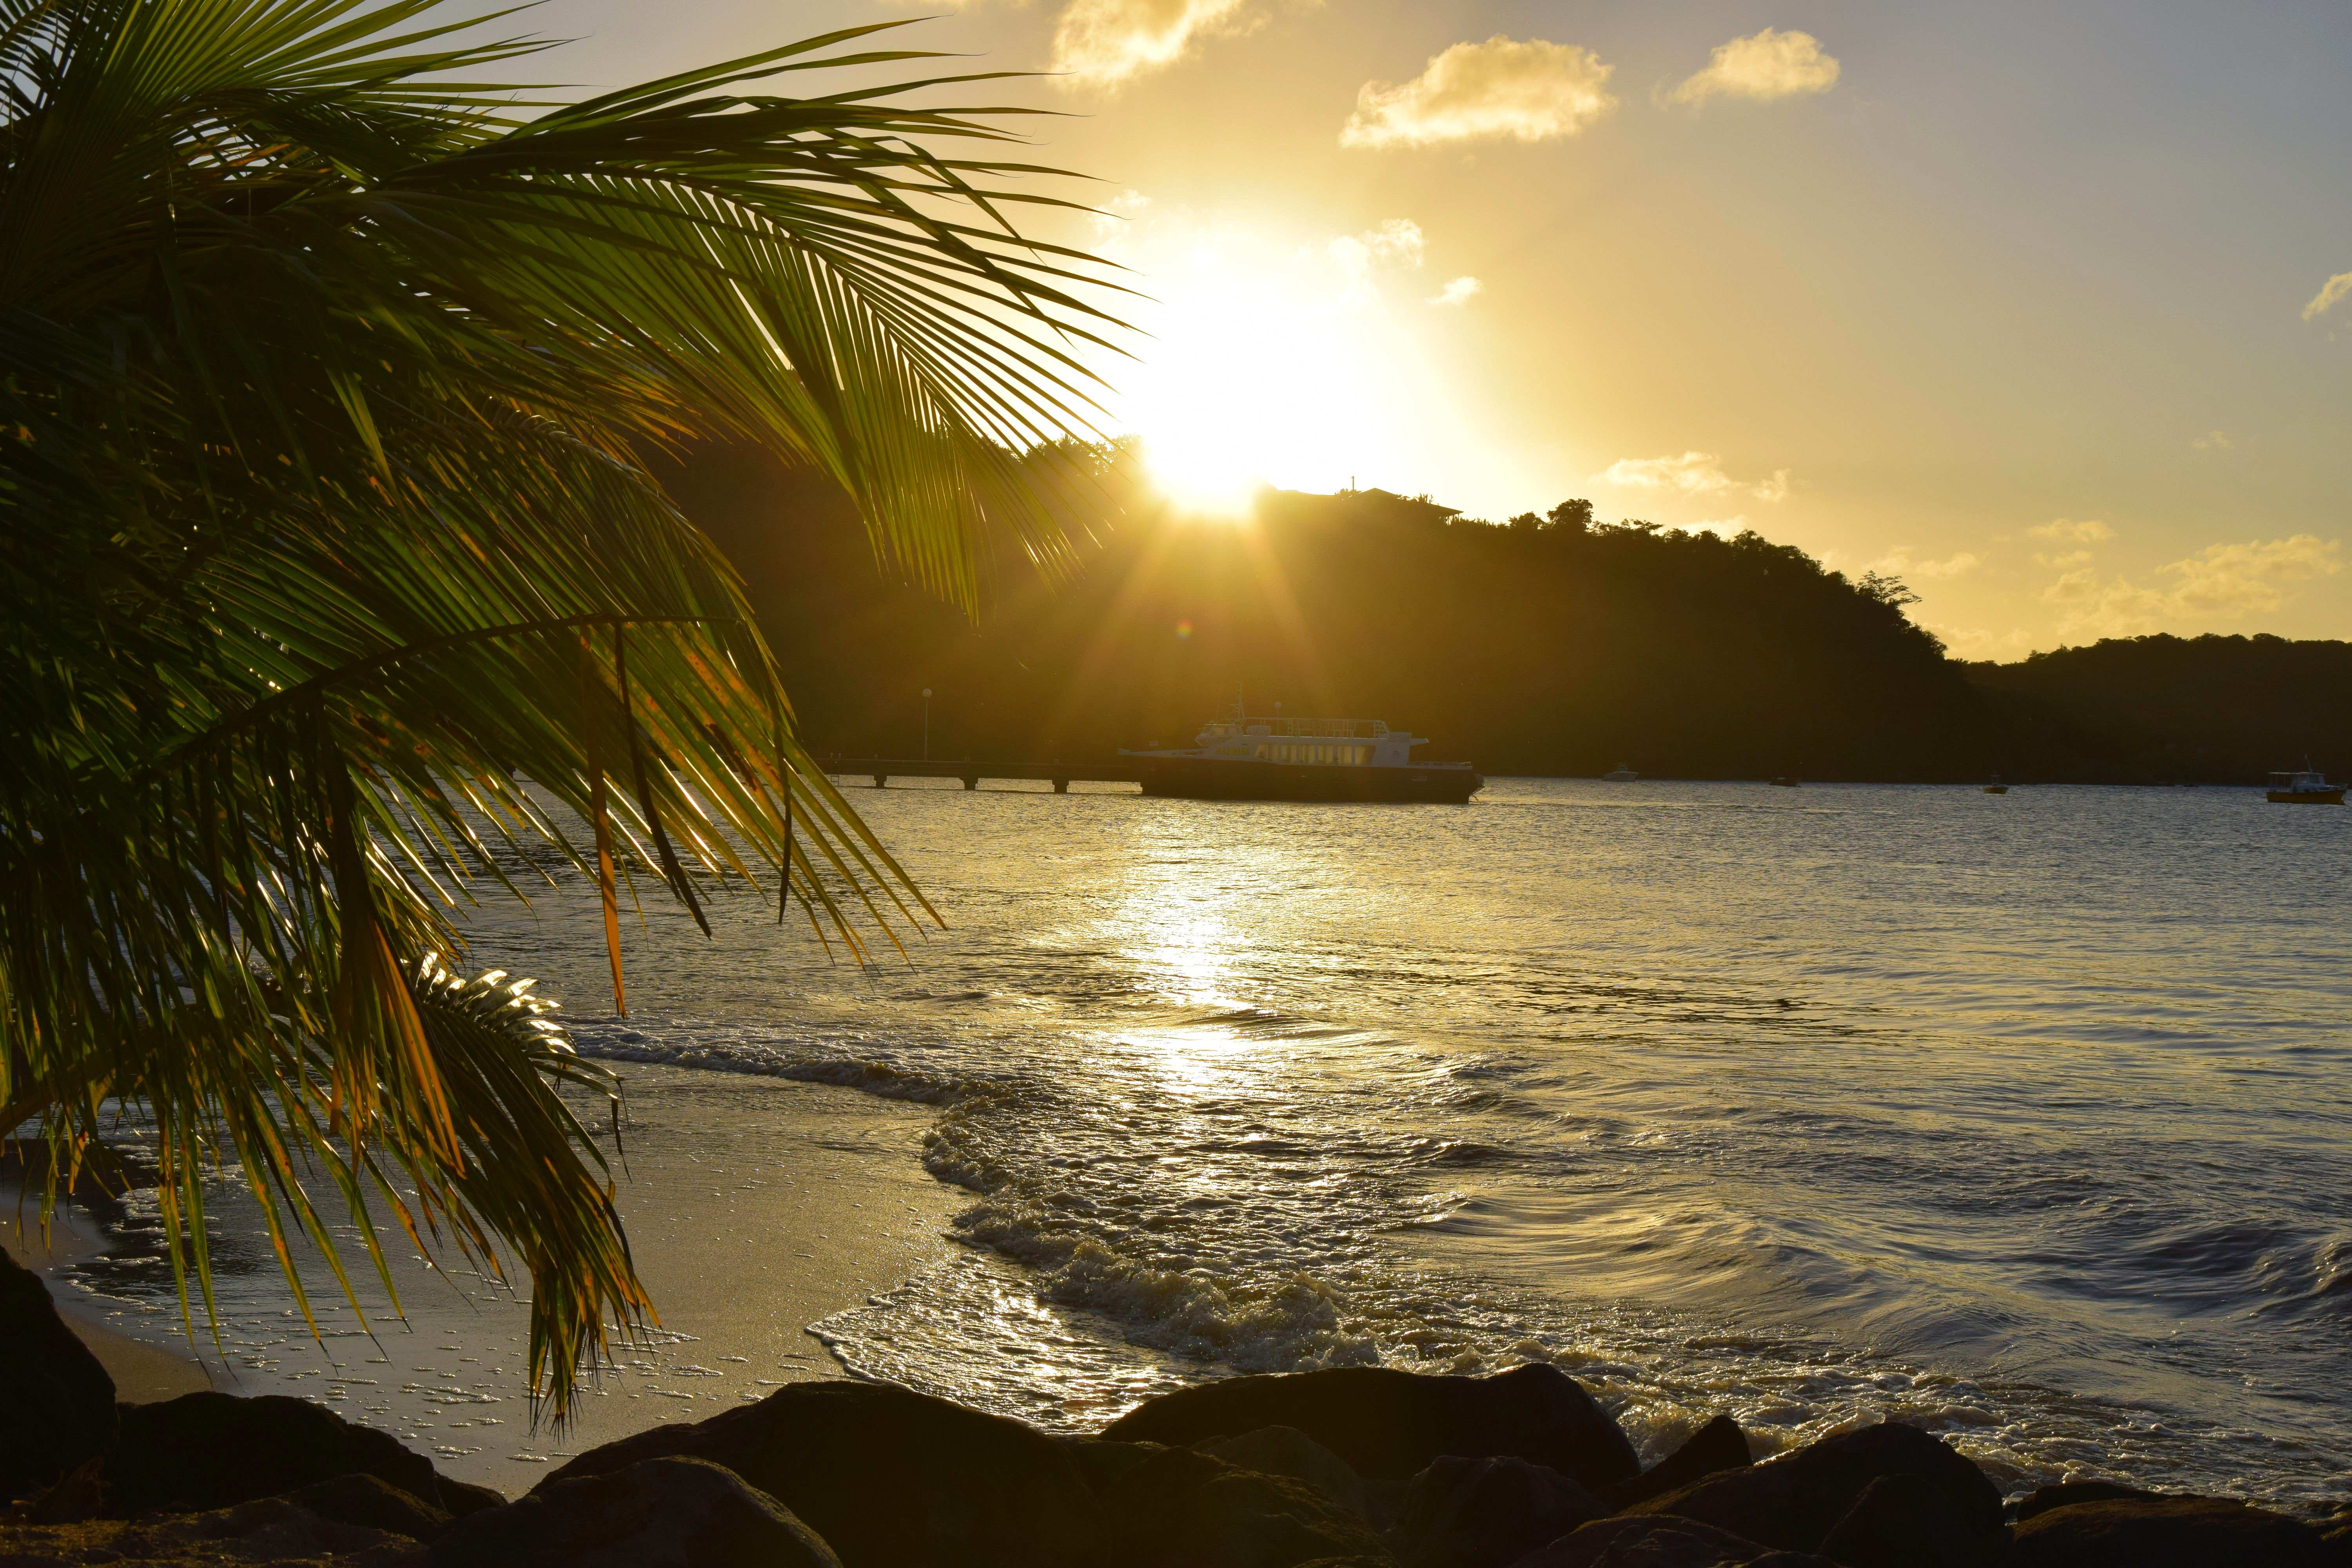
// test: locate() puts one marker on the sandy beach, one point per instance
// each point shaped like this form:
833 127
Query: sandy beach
755 1206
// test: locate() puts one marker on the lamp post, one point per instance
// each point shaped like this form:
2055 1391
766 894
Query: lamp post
927 723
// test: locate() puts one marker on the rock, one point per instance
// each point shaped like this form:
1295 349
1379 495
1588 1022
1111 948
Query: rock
1662 1541
267 1530
2166 1532
2044 1499
1717 1447
888 1477
462 1498
56 1404
1793 1501
1182 1508
657 1513
1287 1451
1390 1425
373 1502
206 1451
81 1495
1487 1513
1909 1521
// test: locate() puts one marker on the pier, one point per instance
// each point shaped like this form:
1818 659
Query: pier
1056 772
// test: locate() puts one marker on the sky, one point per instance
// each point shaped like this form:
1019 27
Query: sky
2045 310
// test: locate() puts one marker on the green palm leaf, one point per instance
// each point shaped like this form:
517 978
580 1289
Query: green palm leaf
326 377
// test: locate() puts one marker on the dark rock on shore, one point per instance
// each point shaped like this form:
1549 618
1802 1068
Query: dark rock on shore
1287 1451
2044 1498
56 1404
373 1503
2167 1532
891 1479
269 1530
206 1451
1715 1447
1389 1425
1909 1521
1794 1501
1182 1508
658 1513
1663 1541
1488 1513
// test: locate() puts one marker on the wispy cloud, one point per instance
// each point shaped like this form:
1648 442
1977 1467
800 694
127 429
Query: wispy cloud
1104 43
2219 583
2215 440
2074 530
1460 292
2331 293
1692 474
1767 65
1900 562
1502 89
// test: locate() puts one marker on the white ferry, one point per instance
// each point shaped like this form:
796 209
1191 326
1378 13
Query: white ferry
2305 786
1274 758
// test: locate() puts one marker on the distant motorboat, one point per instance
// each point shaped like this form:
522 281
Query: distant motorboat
1620 774
1785 781
2305 786
1995 787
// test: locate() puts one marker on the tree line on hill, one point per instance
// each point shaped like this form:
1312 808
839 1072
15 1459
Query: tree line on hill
1555 644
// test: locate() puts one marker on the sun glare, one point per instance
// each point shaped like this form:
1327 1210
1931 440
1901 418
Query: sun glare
1272 365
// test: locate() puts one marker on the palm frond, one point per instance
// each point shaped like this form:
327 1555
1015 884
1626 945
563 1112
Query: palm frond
327 377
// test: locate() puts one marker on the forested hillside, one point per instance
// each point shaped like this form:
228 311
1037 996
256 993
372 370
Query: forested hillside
1546 645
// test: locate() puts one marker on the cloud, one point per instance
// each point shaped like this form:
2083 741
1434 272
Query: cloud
2213 441
1693 474
1899 564
1502 89
2330 293
1104 43
1460 292
2073 531
1396 242
2221 582
1769 64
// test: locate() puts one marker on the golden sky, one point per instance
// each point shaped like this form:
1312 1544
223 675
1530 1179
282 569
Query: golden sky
2045 308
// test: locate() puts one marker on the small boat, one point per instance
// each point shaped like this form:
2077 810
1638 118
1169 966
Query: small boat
1276 758
1995 787
1784 782
1620 774
2305 786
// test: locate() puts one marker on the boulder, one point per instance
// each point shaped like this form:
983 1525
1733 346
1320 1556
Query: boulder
374 1503
1287 1451
889 1478
2166 1532
1792 1502
1487 1513
1909 1521
1183 1509
269 1530
56 1404
1389 1425
657 1513
2044 1498
1717 1447
204 1451
1662 1541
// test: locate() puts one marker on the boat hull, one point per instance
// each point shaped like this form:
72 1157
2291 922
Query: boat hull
2332 796
1204 778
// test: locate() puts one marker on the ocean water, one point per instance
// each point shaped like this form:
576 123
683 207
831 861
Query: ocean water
2026 1117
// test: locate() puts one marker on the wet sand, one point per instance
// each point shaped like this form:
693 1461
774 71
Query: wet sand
754 1207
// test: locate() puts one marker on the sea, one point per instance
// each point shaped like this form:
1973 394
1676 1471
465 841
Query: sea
2025 1117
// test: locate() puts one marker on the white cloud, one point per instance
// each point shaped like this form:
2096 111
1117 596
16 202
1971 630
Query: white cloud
2075 531
1104 43
1502 89
1693 474
2219 583
1460 292
2330 293
2213 441
1900 563
1769 64
1396 242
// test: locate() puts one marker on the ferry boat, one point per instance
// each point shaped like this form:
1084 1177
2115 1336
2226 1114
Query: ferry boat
1620 774
2305 786
1246 758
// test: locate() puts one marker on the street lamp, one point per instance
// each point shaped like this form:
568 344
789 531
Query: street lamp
927 723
